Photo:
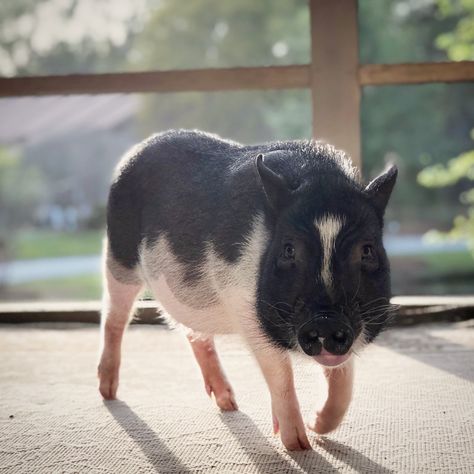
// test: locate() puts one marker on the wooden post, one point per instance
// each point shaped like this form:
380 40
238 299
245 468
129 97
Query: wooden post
334 74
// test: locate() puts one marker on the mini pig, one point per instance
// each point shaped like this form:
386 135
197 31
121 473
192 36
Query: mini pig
279 242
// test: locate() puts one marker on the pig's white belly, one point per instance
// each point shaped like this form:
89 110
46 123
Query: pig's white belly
221 296
212 319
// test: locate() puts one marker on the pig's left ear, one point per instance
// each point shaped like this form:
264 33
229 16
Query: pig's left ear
275 185
380 188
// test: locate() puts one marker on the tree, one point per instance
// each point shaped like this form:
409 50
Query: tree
209 33
459 170
459 42
459 45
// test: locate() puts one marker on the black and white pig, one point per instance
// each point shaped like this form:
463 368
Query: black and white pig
279 242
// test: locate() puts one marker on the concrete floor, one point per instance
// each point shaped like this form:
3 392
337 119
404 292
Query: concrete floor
413 410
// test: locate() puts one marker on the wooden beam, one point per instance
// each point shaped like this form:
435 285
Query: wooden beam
334 74
204 80
413 309
272 77
416 73
146 312
419 301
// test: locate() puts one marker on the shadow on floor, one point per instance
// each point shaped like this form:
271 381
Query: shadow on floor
351 457
428 349
159 455
265 458
313 462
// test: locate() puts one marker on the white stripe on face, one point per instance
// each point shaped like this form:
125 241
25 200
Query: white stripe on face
328 226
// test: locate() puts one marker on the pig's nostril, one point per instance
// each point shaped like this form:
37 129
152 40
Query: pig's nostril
309 341
340 337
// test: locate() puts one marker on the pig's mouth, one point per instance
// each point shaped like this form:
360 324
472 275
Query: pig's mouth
327 359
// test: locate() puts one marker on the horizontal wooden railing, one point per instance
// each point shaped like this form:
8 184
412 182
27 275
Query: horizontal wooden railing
415 73
204 80
224 79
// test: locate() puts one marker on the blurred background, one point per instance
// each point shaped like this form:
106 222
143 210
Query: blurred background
57 153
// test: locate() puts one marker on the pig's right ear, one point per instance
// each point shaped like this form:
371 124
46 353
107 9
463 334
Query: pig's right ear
380 188
276 187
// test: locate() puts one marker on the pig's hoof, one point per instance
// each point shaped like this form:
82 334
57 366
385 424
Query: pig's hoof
108 383
292 432
223 395
295 439
325 424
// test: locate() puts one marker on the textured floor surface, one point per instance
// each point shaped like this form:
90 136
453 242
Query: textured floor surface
413 410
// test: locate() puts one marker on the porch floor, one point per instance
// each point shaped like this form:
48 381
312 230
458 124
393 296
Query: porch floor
413 408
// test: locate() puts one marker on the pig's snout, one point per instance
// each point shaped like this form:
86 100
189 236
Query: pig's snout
325 334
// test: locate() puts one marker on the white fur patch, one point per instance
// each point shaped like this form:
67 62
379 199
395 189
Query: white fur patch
221 295
329 227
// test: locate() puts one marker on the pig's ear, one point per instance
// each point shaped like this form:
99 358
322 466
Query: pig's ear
380 188
276 187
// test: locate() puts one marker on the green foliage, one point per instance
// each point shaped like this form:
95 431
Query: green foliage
457 170
449 174
458 43
398 31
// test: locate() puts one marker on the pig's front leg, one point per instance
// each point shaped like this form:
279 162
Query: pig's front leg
276 368
340 382
215 380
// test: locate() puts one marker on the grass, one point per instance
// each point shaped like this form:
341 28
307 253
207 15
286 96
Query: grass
83 287
433 273
438 263
450 262
34 244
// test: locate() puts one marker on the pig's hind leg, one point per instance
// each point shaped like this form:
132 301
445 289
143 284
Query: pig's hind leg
118 300
215 381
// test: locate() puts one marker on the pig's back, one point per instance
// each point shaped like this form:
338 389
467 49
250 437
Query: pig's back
188 186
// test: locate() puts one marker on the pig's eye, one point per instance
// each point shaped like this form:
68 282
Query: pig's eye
289 252
368 252
368 258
